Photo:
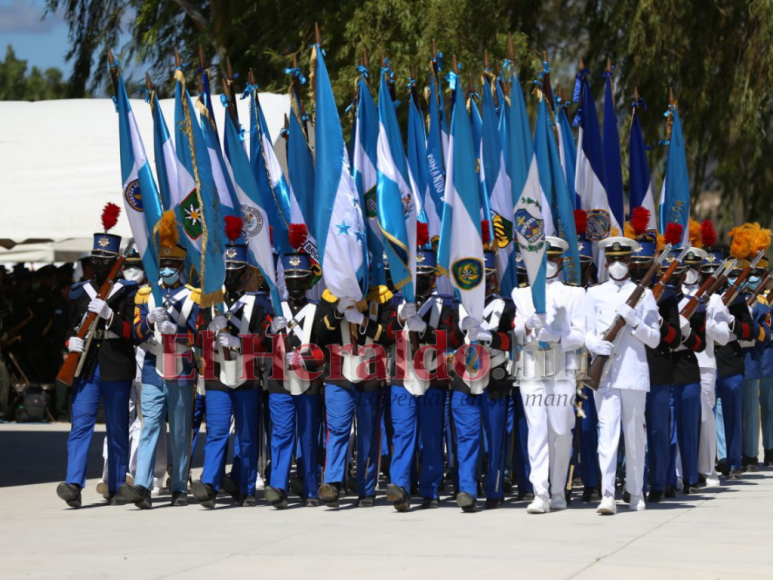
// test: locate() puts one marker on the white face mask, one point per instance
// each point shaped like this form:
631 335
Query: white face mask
133 274
552 270
618 270
691 278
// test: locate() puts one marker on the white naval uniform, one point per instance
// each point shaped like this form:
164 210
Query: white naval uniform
623 391
548 388
717 332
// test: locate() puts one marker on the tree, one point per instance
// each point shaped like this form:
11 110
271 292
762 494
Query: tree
38 85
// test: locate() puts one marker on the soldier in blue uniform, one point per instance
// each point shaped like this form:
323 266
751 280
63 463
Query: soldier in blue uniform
168 384
107 373
232 386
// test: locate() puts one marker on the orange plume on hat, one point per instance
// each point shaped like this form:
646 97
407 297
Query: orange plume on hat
168 232
741 241
628 231
110 215
696 239
661 240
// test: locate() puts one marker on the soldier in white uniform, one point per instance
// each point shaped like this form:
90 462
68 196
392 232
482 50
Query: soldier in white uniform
549 363
620 400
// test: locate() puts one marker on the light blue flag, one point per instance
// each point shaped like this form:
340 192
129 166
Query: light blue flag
435 156
365 174
200 212
567 148
639 182
460 251
300 163
140 193
553 182
476 123
397 206
528 220
675 196
500 195
256 230
338 217
503 116
418 166
166 159
613 163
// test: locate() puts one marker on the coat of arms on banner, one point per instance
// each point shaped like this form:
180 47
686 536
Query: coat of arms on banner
192 215
134 195
599 224
467 273
253 221
530 227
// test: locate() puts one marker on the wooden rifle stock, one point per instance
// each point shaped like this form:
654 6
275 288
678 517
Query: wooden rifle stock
734 288
67 372
692 303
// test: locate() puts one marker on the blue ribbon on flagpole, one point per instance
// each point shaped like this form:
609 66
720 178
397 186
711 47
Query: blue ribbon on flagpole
248 90
296 72
439 61
578 84
363 70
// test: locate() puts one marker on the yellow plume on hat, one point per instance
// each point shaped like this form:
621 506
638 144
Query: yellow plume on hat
696 240
629 231
168 233
661 242
748 239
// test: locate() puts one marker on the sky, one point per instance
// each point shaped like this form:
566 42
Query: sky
40 41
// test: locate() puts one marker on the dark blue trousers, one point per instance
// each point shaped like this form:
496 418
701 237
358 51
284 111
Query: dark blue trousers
589 441
657 413
291 414
86 395
687 409
521 464
730 391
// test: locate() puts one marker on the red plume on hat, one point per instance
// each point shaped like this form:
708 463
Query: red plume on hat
485 231
422 234
298 235
110 215
708 233
233 227
580 221
640 220
673 234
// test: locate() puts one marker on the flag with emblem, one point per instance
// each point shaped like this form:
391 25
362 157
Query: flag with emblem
500 194
397 207
254 216
140 192
365 174
435 157
553 182
338 218
200 213
418 167
460 251
639 182
528 220
675 195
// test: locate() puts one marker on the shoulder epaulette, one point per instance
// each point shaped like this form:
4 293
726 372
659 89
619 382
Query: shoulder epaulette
143 295
379 294
761 300
327 296
195 294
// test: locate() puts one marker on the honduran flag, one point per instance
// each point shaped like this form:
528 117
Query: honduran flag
435 146
639 182
418 167
675 196
460 251
338 217
567 148
397 207
140 193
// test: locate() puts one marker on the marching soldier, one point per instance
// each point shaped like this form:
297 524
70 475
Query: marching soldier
108 369
232 387
167 334
548 378
294 399
621 397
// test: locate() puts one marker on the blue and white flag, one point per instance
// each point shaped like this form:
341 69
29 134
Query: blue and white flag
476 124
140 193
256 225
500 195
528 220
200 213
675 196
300 164
365 174
567 148
460 252
397 206
639 182
613 164
553 181
418 167
167 164
435 149
338 218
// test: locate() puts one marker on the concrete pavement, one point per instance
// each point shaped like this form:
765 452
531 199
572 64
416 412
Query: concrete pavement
721 534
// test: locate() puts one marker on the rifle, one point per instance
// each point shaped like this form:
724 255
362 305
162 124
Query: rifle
596 367
735 287
753 296
708 288
73 364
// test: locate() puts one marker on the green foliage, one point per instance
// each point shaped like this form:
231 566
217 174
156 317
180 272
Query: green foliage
16 84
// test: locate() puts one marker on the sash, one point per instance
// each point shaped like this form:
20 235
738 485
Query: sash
301 325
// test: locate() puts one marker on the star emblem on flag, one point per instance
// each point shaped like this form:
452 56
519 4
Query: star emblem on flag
343 228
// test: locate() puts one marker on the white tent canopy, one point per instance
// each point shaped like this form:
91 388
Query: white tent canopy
60 163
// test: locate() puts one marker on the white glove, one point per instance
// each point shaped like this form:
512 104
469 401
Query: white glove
100 308
416 324
354 316
278 323
344 304
406 310
484 336
596 346
227 340
536 321
219 322
289 359
468 323
628 314
157 314
684 326
547 334
166 327
75 344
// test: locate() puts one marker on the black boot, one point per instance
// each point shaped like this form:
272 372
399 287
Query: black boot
276 497
465 501
366 501
655 496
205 493
399 497
179 498
71 493
138 495
330 494
229 486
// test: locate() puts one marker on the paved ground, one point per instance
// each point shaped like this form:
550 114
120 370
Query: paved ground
726 534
